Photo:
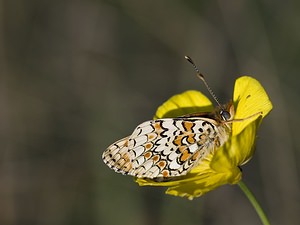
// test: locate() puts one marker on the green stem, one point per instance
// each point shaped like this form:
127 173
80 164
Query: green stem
254 203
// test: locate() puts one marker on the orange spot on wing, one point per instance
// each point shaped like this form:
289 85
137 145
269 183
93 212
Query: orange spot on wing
203 139
196 155
185 155
148 146
155 158
191 138
157 126
162 164
188 126
151 136
148 155
178 140
182 148
165 173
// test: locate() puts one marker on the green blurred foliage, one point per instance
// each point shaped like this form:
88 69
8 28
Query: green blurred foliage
79 75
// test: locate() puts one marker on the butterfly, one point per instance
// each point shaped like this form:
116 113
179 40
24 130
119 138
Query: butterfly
167 148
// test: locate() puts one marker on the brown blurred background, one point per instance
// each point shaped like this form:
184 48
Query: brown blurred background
78 75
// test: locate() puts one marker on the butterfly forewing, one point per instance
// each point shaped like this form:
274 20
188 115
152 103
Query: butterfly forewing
165 148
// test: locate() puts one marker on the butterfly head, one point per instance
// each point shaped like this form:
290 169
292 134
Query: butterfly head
226 113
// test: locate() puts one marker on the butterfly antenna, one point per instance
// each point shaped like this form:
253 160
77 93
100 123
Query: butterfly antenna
201 77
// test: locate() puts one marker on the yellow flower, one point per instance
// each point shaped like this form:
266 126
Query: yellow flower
221 166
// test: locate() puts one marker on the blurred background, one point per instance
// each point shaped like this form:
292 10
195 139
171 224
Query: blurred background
78 75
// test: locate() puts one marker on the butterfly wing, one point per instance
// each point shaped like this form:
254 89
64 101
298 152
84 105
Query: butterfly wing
165 147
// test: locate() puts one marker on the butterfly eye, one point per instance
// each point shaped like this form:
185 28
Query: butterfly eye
225 115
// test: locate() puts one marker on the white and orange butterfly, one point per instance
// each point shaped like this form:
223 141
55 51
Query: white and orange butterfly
171 147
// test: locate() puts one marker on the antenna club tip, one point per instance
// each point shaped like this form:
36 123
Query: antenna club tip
189 59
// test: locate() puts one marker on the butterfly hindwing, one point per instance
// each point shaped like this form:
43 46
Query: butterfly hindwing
165 147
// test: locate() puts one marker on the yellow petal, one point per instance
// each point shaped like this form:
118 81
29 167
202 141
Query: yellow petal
201 186
237 150
249 98
185 103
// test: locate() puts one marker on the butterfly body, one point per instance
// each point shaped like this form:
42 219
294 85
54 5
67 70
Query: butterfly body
171 147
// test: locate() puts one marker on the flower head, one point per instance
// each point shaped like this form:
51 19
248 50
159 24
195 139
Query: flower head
219 167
